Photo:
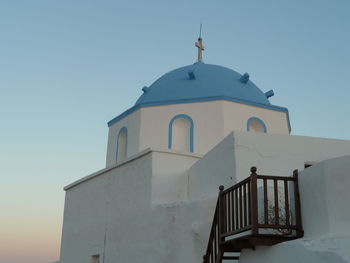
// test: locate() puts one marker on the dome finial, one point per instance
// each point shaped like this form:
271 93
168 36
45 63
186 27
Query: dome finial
199 45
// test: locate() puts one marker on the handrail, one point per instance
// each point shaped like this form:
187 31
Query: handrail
213 248
261 205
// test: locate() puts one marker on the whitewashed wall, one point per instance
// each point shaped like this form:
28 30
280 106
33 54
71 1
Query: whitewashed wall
158 205
170 175
213 120
216 168
281 154
325 196
111 213
132 123
206 116
236 116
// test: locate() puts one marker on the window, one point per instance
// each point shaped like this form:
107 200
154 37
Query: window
255 124
122 144
181 133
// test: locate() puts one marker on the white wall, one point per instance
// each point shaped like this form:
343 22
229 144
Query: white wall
124 211
236 116
170 175
104 213
148 127
271 153
324 190
207 118
214 169
281 154
132 123
325 196
111 213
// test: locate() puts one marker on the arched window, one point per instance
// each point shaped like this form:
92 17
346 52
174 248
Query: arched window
181 133
122 144
255 124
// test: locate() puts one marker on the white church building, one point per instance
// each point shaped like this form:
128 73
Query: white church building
194 129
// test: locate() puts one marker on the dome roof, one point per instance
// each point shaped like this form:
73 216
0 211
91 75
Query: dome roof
202 82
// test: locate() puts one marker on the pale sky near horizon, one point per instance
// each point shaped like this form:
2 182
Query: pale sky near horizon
68 67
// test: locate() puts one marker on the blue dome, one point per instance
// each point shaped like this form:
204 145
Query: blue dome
202 82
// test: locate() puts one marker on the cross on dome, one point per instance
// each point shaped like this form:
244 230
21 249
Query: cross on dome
200 47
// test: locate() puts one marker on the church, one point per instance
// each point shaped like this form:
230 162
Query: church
203 168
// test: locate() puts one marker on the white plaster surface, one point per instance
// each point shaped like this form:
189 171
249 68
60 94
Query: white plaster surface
170 175
111 214
158 205
236 115
325 197
132 123
277 154
214 169
148 127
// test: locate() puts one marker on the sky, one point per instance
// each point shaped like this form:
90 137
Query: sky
68 67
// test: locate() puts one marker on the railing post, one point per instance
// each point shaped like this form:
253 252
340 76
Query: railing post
221 217
254 200
300 231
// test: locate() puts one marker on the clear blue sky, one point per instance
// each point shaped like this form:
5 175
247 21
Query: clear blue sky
68 67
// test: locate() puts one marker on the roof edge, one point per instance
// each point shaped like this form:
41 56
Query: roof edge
191 100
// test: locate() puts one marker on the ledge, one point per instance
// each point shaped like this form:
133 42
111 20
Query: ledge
130 159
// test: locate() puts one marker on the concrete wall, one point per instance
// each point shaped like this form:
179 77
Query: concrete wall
325 196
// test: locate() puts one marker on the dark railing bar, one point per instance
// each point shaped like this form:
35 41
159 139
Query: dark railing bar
273 177
286 202
236 206
228 211
245 204
254 201
224 211
233 210
249 204
240 207
214 244
266 203
275 190
297 204
237 185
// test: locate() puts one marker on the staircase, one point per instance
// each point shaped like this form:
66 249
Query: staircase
260 210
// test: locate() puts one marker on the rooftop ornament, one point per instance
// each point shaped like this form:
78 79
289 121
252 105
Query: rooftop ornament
244 79
269 93
191 75
145 89
200 46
